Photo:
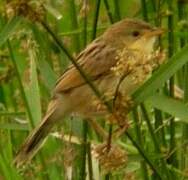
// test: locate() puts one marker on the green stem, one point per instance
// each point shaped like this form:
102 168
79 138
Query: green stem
108 11
144 10
143 154
153 3
159 126
85 124
107 177
171 43
84 151
74 24
96 17
140 142
182 14
117 10
155 141
90 168
85 25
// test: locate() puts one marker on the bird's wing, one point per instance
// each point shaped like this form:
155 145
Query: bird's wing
96 60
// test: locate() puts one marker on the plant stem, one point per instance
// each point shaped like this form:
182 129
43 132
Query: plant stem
73 14
155 142
108 11
143 154
140 142
96 16
144 10
117 10
182 14
90 168
171 43
159 126
84 152
85 124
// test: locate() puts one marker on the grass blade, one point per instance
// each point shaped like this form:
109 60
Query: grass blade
172 106
9 29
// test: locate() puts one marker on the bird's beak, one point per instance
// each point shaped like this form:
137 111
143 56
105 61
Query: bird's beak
155 32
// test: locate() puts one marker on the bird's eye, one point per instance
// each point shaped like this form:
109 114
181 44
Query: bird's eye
135 33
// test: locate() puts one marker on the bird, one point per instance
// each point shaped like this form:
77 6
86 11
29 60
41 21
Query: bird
73 95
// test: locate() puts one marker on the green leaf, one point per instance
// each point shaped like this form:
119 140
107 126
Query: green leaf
27 75
161 76
47 73
9 29
32 89
172 106
6 168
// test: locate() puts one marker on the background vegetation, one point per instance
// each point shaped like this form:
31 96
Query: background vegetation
33 55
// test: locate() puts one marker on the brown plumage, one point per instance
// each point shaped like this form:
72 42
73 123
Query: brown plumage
73 95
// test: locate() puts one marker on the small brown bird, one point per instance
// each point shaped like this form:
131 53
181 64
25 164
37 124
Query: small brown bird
99 59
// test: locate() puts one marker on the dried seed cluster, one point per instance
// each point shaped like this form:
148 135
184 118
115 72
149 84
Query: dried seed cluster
110 159
122 105
31 9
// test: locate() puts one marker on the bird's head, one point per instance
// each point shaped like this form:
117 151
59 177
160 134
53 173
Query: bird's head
134 34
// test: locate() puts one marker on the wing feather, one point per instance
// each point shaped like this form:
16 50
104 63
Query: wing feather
96 60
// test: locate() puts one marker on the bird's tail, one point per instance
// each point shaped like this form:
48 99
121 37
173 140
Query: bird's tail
37 137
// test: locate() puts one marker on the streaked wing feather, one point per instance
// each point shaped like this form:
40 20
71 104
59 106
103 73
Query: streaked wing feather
95 60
